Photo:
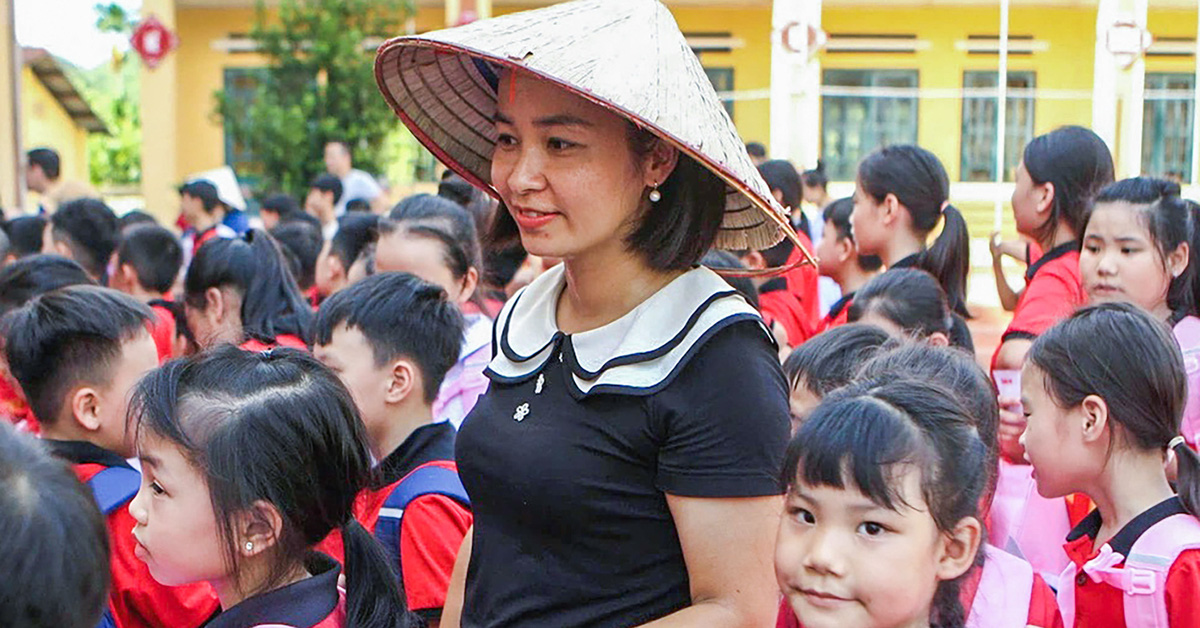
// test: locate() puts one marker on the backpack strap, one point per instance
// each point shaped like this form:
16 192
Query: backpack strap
427 479
1149 563
113 487
1005 591
106 620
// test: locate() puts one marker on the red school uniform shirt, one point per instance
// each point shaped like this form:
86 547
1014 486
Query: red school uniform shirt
136 599
282 340
779 304
839 313
1101 604
13 407
433 526
162 329
314 602
802 281
1053 291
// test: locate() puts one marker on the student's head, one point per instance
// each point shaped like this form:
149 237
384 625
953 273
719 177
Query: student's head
148 259
323 194
30 276
241 288
783 179
77 352
958 372
42 169
836 249
882 475
249 459
816 183
1138 247
301 243
757 152
391 338
25 234
199 203
354 232
84 230
434 239
1059 174
903 191
827 362
478 204
338 158
135 218
55 549
596 201
906 303
1106 382
276 208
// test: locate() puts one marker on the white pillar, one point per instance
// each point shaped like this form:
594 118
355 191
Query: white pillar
1195 178
795 83
1116 84
1001 114
1133 108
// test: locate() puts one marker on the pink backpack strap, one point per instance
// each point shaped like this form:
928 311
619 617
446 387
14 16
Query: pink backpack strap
1027 525
1187 334
1143 577
1004 594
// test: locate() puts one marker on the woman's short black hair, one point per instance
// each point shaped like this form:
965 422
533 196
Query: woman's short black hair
673 233
55 549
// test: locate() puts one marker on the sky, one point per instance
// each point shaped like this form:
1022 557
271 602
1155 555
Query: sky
67 28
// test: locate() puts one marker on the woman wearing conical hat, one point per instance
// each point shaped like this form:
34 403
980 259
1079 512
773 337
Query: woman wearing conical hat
623 465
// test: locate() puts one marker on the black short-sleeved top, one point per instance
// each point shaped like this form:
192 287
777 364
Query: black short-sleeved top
570 454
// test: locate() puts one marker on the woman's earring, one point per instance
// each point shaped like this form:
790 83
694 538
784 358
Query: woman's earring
655 195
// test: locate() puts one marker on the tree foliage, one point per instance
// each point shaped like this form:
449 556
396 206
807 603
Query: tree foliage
112 92
318 85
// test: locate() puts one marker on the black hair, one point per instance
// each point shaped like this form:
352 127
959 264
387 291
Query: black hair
47 159
502 263
908 297
400 315
204 191
67 337
26 234
837 214
301 243
958 371
816 178
1078 163
155 255
272 304
449 216
89 229
831 359
134 218
300 217
354 232
918 180
344 144
5 246
1122 354
683 224
279 427
756 149
478 204
781 175
283 204
30 276
55 550
861 436
328 183
1171 221
358 205
724 260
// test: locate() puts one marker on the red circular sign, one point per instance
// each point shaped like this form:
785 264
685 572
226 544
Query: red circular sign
153 41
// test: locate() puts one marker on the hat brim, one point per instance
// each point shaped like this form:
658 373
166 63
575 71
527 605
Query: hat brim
449 106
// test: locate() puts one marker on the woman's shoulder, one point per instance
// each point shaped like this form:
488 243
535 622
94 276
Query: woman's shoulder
639 353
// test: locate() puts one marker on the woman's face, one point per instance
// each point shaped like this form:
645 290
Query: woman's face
1029 203
566 172
1120 262
867 223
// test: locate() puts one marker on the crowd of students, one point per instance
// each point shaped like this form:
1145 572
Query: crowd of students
549 411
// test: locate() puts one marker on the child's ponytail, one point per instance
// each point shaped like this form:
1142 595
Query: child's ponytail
948 259
1188 483
373 586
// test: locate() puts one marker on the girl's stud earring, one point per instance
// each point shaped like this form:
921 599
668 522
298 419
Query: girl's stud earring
655 195
249 546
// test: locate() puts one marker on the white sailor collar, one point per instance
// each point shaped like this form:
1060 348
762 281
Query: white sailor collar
637 354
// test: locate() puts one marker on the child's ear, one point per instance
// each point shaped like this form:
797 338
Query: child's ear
1093 418
85 408
959 547
938 339
404 381
470 282
845 249
337 270
257 528
1177 260
754 260
214 303
891 209
1046 198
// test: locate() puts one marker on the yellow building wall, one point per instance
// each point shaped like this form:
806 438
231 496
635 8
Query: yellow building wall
46 123
1171 23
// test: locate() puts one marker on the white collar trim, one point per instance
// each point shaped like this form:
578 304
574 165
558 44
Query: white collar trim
639 353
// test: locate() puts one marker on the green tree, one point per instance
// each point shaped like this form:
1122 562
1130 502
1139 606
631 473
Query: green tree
318 85
112 91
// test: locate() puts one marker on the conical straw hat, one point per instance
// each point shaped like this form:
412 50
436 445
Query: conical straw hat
625 55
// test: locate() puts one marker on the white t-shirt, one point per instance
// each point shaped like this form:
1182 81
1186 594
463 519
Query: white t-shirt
357 184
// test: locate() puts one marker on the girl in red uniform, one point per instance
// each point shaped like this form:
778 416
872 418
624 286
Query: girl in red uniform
1140 246
881 522
240 291
1103 392
249 460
